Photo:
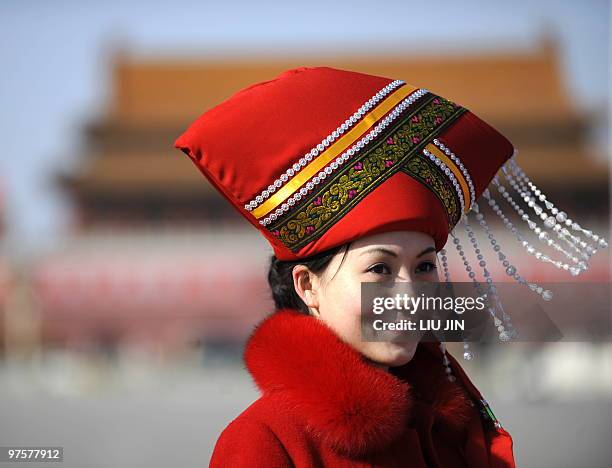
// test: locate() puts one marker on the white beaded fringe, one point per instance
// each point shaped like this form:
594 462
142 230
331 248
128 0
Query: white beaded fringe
553 220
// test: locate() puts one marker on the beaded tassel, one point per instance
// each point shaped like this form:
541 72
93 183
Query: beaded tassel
542 235
550 222
528 247
445 361
511 270
554 220
574 242
560 216
504 335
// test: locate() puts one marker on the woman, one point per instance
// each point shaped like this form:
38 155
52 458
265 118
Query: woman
357 178
331 399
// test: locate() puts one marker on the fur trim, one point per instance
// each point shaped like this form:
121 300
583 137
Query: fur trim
453 406
349 404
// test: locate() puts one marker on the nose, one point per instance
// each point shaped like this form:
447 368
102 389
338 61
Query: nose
403 283
405 275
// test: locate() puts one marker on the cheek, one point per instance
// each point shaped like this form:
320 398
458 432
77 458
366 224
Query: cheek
340 306
345 296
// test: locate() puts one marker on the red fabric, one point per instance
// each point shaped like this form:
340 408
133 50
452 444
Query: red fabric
482 149
246 142
323 405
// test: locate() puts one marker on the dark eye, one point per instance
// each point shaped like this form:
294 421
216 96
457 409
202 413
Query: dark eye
380 269
426 267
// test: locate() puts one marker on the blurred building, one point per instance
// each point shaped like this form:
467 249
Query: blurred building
132 175
3 268
159 256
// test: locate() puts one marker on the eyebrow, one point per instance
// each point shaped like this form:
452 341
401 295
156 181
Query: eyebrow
431 248
393 254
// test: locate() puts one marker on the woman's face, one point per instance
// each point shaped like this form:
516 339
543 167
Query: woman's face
334 295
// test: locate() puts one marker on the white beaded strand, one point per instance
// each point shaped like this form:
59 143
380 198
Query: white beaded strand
503 335
444 259
541 235
491 289
445 360
574 270
560 216
511 270
446 363
556 219
446 150
549 221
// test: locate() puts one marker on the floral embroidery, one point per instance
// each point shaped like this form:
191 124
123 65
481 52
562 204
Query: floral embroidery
398 150
425 171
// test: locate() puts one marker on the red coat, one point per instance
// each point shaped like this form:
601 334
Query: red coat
322 405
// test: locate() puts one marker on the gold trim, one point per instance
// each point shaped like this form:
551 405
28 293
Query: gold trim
453 167
334 150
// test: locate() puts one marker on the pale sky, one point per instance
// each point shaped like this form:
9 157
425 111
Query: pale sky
55 77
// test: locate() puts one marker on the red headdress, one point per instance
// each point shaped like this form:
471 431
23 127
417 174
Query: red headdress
318 156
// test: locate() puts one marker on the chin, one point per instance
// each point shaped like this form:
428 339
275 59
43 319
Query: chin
396 354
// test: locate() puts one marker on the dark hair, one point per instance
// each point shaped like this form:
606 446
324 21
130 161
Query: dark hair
280 276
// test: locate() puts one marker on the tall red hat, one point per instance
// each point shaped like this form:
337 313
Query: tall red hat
317 157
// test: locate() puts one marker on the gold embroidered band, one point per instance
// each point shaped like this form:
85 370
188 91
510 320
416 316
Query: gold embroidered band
399 147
